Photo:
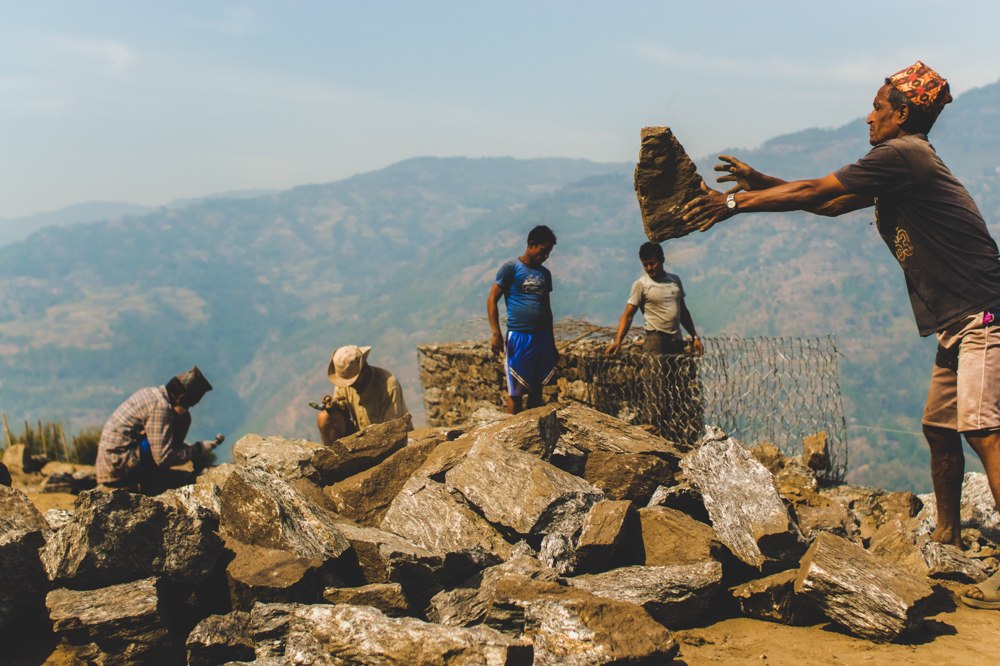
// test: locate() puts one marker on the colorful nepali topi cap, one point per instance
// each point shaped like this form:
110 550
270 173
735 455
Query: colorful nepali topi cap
193 382
346 364
922 86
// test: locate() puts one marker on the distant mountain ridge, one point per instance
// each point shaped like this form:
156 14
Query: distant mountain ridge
259 291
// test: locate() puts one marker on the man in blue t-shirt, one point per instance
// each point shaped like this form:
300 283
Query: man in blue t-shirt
951 263
530 344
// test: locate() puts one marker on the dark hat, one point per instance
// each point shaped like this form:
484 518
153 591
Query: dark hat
193 382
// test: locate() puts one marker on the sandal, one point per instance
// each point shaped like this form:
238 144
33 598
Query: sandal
987 594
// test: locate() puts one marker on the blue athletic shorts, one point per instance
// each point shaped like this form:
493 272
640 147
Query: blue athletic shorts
531 361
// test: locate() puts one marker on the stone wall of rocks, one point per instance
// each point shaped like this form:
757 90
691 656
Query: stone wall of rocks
462 377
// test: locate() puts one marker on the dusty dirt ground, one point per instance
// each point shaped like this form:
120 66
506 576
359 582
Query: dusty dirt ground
963 636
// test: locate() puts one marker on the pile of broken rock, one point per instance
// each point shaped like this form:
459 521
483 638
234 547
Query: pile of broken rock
560 535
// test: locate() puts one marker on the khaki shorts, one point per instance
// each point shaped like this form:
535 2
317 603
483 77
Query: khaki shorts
964 394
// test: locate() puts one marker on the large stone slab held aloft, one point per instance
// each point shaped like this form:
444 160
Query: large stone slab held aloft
746 511
665 180
871 597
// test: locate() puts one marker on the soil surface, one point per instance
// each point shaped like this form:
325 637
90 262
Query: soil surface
965 636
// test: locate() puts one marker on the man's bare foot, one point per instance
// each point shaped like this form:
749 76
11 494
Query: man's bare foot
947 535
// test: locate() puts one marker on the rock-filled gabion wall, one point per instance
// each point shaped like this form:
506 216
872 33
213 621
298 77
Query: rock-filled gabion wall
763 389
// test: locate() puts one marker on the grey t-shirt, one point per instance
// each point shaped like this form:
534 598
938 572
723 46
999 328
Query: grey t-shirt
932 226
659 301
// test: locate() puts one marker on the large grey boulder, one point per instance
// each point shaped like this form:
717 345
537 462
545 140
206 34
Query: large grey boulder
570 626
288 458
674 596
523 495
517 491
746 511
871 597
665 180
125 621
426 513
23 582
117 536
262 509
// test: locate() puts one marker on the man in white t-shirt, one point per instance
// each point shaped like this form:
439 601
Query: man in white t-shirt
659 295
670 399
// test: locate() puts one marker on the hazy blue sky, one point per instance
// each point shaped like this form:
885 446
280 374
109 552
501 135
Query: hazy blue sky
148 101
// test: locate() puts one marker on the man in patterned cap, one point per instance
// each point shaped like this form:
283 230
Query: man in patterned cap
950 261
145 435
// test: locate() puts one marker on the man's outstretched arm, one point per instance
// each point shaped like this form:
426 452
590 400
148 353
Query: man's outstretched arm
747 178
816 194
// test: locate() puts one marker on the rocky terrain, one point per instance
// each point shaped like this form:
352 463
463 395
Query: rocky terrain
557 536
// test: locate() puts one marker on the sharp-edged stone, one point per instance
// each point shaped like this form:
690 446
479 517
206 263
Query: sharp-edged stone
604 531
23 583
354 453
746 511
871 597
773 599
125 621
667 537
572 627
366 496
117 536
389 598
665 180
263 509
219 639
288 458
673 595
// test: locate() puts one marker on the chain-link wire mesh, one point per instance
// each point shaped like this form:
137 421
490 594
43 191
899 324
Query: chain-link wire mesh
775 389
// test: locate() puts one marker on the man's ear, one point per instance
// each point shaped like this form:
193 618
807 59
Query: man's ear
902 114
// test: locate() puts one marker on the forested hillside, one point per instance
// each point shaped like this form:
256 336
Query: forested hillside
259 291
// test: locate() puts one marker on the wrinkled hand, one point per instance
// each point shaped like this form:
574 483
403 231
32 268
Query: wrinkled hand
706 210
613 348
497 344
739 172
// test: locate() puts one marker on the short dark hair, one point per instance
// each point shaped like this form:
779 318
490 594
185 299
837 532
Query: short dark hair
650 251
541 234
918 119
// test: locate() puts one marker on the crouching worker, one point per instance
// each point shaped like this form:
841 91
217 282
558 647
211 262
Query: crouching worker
144 437
363 395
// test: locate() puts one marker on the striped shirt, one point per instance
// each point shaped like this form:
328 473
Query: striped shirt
147 414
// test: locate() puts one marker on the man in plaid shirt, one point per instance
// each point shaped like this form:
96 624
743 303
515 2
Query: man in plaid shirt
145 435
